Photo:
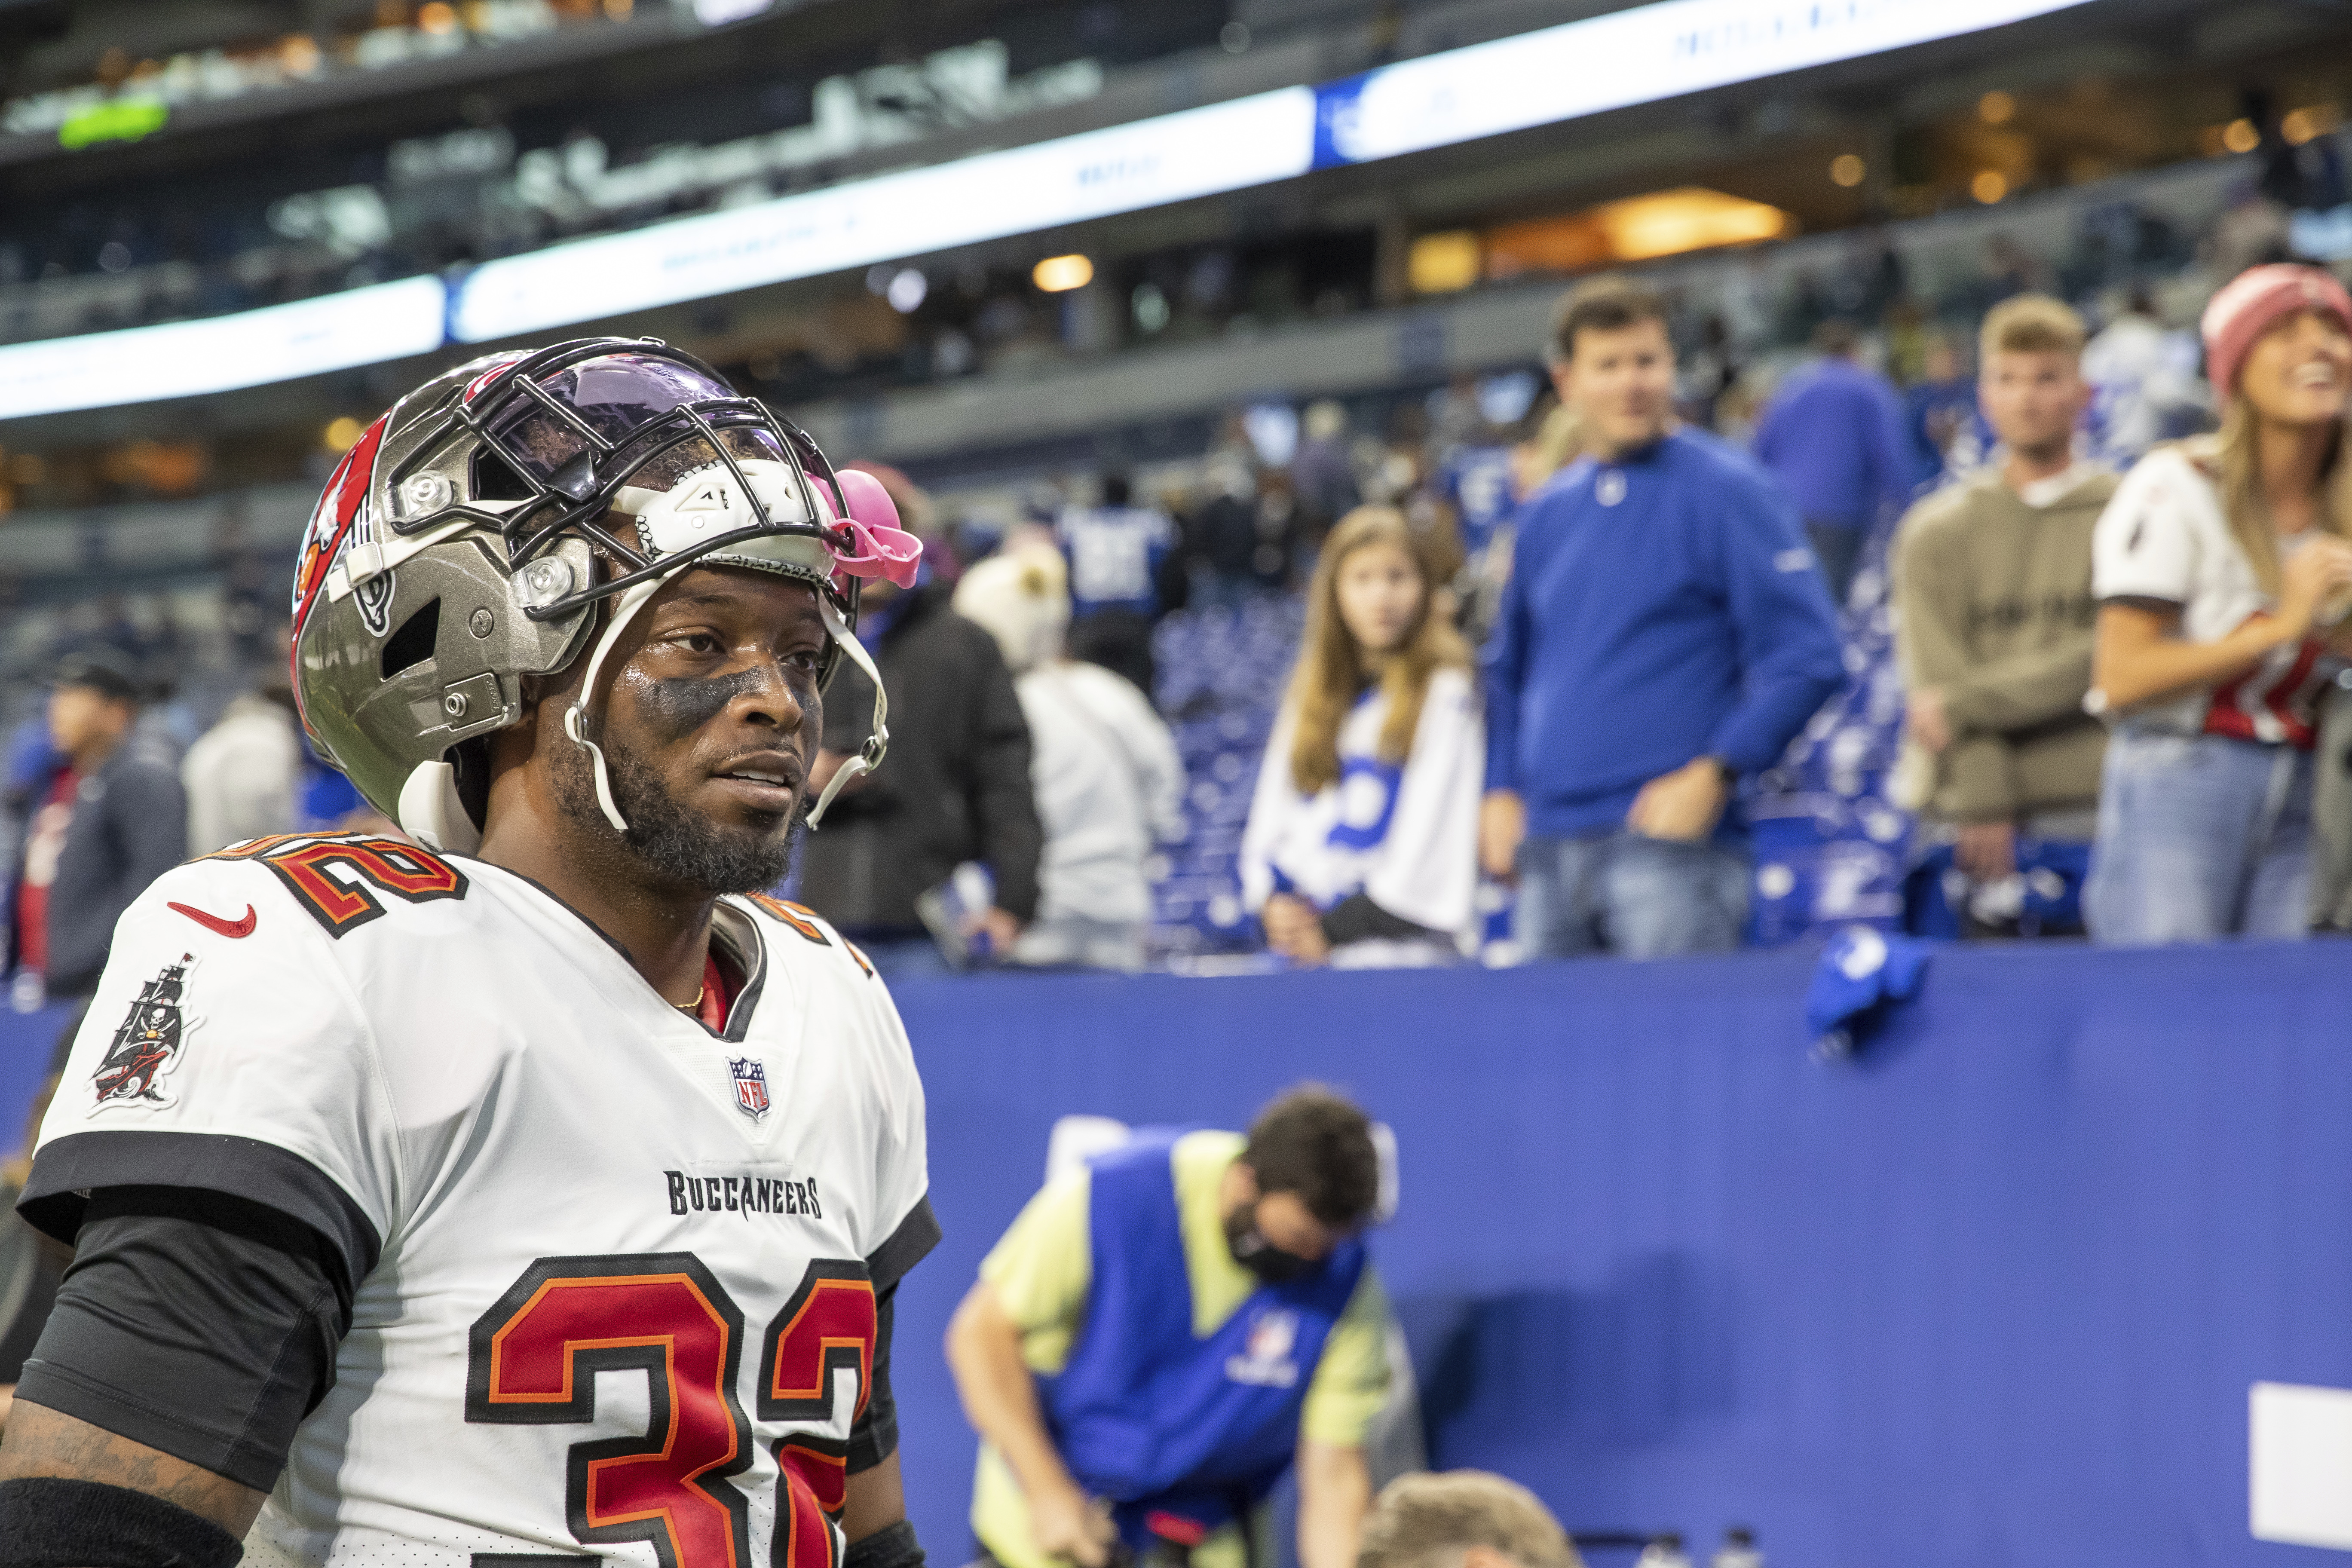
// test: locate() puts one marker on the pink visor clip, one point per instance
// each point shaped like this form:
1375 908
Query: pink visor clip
883 548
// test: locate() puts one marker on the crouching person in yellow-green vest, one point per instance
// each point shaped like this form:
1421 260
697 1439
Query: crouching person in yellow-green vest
1162 1331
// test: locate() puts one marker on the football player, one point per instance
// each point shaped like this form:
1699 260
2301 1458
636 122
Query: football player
531 1189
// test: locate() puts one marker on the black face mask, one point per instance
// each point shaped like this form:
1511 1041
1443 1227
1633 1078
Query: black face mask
1259 1256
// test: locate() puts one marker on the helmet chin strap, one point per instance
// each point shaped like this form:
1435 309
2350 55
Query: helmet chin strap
877 743
625 610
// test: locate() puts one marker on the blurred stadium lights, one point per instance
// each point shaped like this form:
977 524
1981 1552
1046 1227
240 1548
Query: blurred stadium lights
1638 228
1059 274
224 354
1444 263
123 120
1644 228
719 13
1642 55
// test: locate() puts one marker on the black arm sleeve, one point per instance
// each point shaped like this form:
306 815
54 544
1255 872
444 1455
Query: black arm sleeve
892 1546
875 1437
1004 803
1356 919
197 1323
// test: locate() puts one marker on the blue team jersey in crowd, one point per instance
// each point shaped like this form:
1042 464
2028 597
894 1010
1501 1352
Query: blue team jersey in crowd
1478 483
1833 435
1115 554
1661 607
1947 433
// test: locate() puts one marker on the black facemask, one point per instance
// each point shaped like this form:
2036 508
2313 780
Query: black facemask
1259 1256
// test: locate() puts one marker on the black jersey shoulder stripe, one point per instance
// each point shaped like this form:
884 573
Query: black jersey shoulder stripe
69 1170
915 1236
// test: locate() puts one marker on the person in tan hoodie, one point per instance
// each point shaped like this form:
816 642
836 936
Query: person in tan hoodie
1994 619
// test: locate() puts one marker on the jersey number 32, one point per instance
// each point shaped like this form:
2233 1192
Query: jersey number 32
534 1357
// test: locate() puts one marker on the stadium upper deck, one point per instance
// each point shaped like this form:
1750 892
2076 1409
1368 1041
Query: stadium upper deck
664 182
776 150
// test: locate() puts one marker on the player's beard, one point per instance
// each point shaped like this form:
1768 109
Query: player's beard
677 843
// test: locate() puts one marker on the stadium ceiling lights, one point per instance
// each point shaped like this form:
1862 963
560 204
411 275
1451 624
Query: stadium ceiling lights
1615 61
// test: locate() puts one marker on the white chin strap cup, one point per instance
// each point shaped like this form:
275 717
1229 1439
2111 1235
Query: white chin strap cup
431 812
625 610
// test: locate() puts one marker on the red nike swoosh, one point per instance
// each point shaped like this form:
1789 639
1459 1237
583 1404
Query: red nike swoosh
213 922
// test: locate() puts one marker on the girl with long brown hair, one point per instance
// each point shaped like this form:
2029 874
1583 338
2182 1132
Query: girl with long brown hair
2221 568
1361 848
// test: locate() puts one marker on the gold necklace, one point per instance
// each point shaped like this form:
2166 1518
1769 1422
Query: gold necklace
695 1005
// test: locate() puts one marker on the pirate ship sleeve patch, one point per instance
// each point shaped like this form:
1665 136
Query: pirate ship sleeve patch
227 1056
148 1043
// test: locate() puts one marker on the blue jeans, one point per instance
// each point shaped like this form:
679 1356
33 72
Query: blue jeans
2199 837
1623 893
1837 550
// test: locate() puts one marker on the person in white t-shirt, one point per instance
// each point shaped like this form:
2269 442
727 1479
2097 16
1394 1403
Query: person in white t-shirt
1105 768
1362 849
2222 571
2143 375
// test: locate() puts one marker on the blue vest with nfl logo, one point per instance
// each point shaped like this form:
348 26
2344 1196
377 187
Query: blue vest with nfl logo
1180 1434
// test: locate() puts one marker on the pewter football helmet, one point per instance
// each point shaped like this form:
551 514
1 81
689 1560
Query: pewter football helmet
467 537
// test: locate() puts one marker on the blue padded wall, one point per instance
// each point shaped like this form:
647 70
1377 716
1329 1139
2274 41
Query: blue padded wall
1994 1294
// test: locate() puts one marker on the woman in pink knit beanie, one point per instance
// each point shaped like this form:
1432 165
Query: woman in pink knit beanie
2223 570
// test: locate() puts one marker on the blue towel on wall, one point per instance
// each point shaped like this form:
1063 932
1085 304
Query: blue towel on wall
1862 976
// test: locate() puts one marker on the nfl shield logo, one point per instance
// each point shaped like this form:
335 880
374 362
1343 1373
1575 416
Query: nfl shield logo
751 1086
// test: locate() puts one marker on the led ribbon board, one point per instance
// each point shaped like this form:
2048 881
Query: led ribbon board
1626 58
1172 158
223 354
1638 56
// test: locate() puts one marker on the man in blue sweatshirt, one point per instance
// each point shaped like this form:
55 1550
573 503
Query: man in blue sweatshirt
1834 435
1665 633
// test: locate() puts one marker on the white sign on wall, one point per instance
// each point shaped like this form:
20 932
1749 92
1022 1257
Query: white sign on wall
2300 1483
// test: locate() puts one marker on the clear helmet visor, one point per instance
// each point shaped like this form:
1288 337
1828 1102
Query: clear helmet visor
622 397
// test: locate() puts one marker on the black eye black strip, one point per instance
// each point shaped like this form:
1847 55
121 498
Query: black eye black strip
678 707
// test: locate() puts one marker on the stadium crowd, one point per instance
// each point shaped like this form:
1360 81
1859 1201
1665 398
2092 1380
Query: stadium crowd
1554 659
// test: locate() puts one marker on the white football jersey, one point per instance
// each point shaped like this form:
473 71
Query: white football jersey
618 1271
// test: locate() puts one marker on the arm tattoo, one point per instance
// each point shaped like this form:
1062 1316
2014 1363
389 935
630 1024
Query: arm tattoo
44 1442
